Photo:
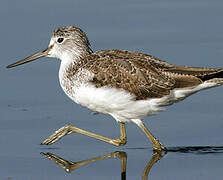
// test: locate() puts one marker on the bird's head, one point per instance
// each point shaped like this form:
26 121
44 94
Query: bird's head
66 43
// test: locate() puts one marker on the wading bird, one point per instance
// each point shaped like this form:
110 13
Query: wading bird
126 85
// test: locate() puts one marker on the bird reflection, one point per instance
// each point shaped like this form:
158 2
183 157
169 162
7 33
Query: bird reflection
70 166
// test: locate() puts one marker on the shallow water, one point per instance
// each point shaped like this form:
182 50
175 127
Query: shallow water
32 104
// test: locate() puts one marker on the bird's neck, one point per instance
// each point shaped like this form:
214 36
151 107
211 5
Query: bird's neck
70 63
71 58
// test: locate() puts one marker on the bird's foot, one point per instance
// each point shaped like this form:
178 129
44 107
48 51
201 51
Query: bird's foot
57 135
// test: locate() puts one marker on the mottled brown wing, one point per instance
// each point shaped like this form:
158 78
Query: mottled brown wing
185 76
132 72
144 75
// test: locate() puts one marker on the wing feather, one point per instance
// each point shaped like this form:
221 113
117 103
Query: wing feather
143 75
129 71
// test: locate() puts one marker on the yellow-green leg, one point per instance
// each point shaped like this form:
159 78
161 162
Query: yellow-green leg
157 145
68 129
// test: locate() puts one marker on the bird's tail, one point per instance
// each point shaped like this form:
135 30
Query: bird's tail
192 76
215 77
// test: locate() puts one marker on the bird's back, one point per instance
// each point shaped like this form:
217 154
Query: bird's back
144 75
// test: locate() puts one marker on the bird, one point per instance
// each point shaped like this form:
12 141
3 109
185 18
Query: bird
128 86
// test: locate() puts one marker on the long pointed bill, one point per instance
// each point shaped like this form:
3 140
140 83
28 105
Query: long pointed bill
31 58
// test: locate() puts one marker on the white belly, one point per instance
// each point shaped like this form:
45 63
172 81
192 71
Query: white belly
116 102
122 105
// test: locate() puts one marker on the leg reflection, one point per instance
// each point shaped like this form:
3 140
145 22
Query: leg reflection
156 157
70 166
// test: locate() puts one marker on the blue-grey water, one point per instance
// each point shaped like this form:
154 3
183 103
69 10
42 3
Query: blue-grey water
32 104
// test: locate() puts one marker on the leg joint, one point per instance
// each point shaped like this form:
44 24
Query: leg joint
119 141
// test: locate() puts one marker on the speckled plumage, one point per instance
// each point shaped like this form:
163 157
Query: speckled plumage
140 74
143 77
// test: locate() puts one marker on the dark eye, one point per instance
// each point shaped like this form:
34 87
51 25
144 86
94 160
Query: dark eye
60 40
